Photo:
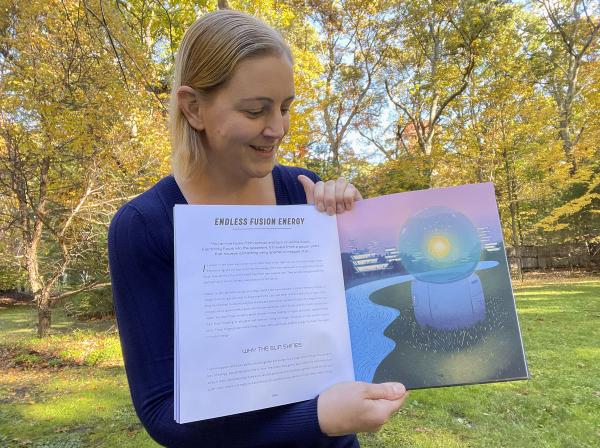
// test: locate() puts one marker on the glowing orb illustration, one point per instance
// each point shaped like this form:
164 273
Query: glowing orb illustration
439 245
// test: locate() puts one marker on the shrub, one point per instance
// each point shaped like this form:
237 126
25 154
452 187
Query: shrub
90 305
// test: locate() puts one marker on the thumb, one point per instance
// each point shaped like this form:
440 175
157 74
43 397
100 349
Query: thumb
309 188
386 391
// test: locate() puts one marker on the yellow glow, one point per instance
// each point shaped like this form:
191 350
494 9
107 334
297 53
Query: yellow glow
439 246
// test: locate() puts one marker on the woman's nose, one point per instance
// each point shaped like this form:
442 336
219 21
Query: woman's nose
275 127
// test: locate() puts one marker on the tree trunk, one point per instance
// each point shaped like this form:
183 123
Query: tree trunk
41 293
512 201
480 160
39 290
335 157
567 143
44 313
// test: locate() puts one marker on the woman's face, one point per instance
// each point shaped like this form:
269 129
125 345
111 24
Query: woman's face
246 119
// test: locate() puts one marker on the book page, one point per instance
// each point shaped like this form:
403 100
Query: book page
260 308
428 289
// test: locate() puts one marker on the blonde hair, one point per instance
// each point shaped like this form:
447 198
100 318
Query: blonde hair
207 57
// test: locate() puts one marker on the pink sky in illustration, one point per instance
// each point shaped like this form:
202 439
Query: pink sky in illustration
380 219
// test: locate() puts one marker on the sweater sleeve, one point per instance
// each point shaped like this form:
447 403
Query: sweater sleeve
142 282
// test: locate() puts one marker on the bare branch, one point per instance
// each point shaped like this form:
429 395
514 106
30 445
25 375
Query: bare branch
88 287
111 40
379 146
553 16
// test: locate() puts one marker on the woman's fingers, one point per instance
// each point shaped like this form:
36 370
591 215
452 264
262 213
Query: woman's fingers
341 187
329 197
320 196
351 407
387 391
309 188
332 196
351 195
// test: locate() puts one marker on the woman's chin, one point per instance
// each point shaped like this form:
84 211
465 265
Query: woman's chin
260 170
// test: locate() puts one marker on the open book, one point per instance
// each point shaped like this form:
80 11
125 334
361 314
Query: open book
274 304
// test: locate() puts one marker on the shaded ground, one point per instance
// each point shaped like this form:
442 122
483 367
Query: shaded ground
556 276
66 391
10 298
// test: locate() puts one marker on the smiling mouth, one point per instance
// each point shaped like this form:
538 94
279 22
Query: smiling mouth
263 148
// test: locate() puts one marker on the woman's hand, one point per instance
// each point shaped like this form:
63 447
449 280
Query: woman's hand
333 196
346 408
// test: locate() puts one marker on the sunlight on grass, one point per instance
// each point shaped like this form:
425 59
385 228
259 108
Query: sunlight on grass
543 295
398 434
541 310
93 404
87 400
559 283
591 353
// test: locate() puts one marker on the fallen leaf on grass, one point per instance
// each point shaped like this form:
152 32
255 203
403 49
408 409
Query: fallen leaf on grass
133 433
421 429
596 393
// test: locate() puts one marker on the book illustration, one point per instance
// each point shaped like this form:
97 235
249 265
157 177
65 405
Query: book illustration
368 321
441 248
436 307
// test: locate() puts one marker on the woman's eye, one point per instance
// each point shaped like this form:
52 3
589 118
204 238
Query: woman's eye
285 111
254 113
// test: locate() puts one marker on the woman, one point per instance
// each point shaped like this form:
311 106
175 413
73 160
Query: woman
229 111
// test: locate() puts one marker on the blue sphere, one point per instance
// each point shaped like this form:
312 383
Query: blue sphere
439 245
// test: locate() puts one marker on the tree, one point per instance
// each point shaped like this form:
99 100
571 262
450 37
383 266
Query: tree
430 65
353 33
501 131
578 219
571 37
70 110
157 28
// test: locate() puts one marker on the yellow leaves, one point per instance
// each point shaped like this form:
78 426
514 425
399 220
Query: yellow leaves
70 99
588 202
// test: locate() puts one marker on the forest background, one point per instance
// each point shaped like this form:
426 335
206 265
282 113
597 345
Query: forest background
393 95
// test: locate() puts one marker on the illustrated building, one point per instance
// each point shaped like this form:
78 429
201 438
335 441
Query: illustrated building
367 262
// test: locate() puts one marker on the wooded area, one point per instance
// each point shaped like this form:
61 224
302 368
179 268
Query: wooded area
393 95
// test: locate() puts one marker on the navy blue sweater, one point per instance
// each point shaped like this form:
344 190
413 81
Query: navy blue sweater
141 255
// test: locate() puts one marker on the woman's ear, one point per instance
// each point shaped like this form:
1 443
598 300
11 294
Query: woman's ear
188 101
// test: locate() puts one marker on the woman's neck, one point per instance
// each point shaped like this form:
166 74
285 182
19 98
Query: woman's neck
206 188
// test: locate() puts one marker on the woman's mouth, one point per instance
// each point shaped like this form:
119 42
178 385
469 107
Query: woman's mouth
264 149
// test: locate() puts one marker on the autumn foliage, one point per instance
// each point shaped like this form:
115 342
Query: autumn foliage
393 95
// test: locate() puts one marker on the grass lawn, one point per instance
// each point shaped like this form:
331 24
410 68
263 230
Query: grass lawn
69 390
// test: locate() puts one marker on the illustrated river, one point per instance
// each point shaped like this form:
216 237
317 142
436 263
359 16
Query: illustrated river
368 321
